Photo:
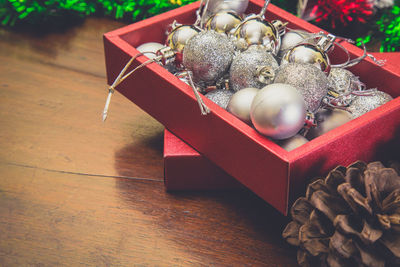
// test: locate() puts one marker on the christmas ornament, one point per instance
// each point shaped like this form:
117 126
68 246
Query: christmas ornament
351 218
223 22
179 36
254 67
365 103
220 97
240 103
293 38
380 4
150 49
293 142
327 120
311 82
236 6
343 81
208 55
315 54
256 31
278 111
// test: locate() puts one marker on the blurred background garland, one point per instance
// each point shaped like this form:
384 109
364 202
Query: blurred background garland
376 23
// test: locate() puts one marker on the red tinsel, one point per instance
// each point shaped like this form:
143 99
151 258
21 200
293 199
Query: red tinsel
342 10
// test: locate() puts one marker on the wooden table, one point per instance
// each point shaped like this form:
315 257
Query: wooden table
77 191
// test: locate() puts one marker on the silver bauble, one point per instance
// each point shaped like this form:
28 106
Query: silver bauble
328 120
310 81
343 81
150 49
293 142
278 111
220 97
254 67
223 22
291 39
240 103
179 36
208 55
237 6
365 103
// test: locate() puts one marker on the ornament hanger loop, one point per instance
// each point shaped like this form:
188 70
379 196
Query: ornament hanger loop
264 9
203 107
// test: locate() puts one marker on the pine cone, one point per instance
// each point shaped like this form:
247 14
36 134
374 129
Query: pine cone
352 218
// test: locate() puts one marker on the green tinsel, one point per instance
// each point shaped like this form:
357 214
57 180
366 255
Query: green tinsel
60 13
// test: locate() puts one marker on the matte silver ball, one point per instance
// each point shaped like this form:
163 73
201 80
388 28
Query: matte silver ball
278 111
363 104
220 97
237 6
254 67
150 49
310 81
293 142
208 55
328 120
343 81
240 103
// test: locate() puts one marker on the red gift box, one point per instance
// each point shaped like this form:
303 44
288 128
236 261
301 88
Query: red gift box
268 170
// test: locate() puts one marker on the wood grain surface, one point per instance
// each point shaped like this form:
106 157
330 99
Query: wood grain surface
76 191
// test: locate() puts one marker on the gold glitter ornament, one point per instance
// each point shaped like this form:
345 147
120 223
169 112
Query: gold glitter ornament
343 81
240 103
208 55
315 54
365 103
179 36
256 31
220 97
254 67
278 111
223 22
310 81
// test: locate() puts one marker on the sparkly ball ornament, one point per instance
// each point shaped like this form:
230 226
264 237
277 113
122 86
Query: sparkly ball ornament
223 22
343 81
256 31
220 97
254 67
328 120
179 36
314 54
365 103
278 111
310 81
208 55
150 49
293 142
236 6
240 103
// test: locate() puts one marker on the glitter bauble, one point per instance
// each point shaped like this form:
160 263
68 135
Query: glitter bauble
293 142
308 54
365 103
223 22
291 39
310 81
237 6
208 55
328 120
240 103
256 31
343 81
150 49
254 67
278 111
178 37
220 97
